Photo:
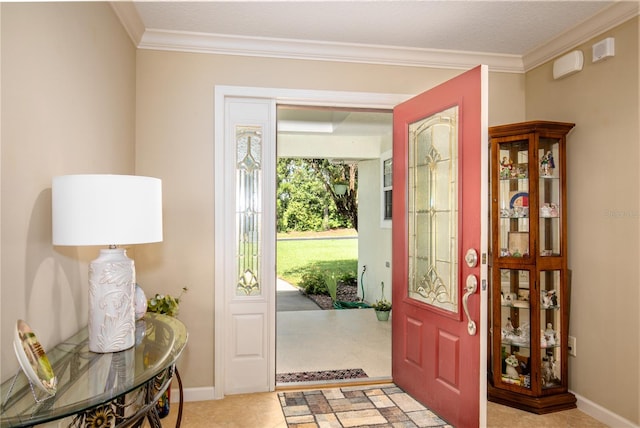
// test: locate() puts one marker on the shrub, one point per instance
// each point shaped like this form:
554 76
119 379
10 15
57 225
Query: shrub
348 278
314 282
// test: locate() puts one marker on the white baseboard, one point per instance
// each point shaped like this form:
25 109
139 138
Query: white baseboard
605 416
194 394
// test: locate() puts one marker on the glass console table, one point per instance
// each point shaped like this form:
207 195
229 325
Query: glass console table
106 390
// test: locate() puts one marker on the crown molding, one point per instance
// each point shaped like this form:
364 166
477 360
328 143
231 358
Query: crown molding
155 39
609 18
128 16
324 51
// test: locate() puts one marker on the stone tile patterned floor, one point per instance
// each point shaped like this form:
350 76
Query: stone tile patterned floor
356 406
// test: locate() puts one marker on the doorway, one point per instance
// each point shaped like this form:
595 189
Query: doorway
343 344
245 325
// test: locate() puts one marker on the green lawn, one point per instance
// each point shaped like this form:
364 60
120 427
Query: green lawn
295 257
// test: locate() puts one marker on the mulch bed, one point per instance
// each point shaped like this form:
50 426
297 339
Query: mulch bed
344 293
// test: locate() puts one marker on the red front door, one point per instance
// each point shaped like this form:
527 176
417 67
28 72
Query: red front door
438 185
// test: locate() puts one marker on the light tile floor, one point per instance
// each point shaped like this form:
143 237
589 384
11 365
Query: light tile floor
262 410
339 339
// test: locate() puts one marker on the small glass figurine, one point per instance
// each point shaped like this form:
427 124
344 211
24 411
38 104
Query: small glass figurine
550 335
508 326
510 367
548 371
549 299
547 165
506 166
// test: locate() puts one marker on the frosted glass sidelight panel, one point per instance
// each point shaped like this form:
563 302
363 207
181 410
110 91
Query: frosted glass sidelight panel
248 208
433 210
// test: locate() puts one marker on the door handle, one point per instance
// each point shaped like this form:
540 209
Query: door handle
471 288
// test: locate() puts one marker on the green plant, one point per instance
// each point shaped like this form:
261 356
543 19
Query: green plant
349 278
314 282
332 286
382 304
165 304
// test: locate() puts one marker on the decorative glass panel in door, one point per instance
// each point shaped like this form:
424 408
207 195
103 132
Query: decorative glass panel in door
248 208
433 210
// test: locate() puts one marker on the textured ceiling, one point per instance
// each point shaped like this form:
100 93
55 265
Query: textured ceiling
385 31
502 27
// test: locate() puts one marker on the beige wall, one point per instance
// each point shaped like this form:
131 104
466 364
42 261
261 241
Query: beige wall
603 215
68 106
76 96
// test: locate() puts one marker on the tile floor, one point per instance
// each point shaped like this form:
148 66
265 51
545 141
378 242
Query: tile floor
383 405
341 339
262 410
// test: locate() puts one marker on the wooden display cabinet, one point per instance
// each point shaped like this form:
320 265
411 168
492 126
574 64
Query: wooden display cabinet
529 275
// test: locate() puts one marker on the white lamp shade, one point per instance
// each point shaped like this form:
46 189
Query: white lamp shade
103 209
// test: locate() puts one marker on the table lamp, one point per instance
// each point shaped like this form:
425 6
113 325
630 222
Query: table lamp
103 209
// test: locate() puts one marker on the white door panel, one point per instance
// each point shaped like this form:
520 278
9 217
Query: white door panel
245 243
248 351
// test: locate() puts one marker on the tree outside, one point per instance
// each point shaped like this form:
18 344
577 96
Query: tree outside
306 198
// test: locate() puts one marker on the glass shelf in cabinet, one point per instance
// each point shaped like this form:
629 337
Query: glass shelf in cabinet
515 344
518 212
518 304
524 179
549 253
551 347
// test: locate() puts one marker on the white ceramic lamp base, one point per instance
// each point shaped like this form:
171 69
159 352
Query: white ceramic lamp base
111 312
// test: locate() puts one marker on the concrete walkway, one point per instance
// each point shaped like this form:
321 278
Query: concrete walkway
331 340
310 339
289 298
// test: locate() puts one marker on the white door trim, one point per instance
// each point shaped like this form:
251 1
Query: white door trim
282 96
